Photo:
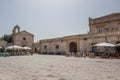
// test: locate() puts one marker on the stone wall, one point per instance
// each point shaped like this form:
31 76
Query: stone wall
23 39
3 43
111 33
108 23
53 46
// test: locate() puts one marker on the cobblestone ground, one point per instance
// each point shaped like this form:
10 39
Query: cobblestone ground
49 67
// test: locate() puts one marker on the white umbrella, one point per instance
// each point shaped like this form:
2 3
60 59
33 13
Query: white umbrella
118 44
104 44
14 47
26 48
0 47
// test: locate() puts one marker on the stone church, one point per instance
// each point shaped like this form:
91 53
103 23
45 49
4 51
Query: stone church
102 29
22 38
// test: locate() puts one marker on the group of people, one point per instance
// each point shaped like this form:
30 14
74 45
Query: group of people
5 52
108 51
17 53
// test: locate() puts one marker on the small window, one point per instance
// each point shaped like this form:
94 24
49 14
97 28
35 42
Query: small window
112 29
61 40
57 46
45 47
85 39
100 30
106 29
116 28
24 38
23 45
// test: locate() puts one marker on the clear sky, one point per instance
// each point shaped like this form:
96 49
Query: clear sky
53 18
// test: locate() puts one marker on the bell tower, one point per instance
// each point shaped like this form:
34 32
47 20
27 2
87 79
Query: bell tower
16 28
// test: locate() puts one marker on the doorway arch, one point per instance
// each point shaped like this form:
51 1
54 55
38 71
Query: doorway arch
73 47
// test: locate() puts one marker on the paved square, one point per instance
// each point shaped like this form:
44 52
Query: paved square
49 67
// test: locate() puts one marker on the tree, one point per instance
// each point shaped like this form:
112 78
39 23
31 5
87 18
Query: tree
8 38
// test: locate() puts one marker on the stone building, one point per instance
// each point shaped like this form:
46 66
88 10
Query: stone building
105 29
22 38
52 46
3 43
102 29
36 47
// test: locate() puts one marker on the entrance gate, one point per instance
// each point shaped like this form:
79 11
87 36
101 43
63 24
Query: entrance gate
73 47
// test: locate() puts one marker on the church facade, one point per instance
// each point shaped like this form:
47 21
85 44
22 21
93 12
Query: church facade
22 38
102 29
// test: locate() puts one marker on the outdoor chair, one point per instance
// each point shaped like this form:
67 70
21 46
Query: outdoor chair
91 55
118 56
67 54
78 54
4 54
0 54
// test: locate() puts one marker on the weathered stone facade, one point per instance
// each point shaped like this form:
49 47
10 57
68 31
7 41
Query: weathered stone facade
22 38
53 46
106 28
36 47
3 43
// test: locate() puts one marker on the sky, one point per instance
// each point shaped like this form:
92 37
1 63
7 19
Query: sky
53 18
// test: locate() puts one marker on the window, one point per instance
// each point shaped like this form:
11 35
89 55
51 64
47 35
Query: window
23 45
100 30
61 40
57 46
116 28
85 39
112 29
45 47
24 38
106 29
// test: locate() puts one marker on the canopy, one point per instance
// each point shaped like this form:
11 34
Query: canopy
26 48
104 44
118 44
14 47
0 47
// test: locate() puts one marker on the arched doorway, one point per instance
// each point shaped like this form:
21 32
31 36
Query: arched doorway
73 47
35 50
